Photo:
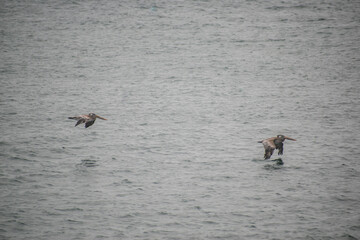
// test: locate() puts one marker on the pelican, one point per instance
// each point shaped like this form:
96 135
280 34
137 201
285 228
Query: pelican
87 119
273 143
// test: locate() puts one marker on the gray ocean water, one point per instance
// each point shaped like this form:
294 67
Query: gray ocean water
188 88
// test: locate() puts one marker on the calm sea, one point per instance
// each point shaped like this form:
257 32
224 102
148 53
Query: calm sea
188 88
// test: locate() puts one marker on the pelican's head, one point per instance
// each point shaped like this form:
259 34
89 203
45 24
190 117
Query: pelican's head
282 137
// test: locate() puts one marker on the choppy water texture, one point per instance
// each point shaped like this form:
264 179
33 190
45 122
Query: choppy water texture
189 87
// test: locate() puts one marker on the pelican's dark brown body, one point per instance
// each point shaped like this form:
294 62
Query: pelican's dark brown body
87 119
273 143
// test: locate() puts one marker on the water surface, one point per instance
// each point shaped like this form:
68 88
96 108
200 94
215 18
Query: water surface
188 88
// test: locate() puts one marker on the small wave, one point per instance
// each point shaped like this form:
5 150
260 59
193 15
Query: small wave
3 143
88 163
16 158
69 209
74 221
126 181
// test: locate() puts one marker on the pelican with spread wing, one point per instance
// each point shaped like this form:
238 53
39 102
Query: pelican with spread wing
273 143
87 119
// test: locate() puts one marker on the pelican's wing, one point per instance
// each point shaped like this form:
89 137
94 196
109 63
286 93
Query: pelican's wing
89 123
81 120
269 143
86 117
76 118
80 117
269 147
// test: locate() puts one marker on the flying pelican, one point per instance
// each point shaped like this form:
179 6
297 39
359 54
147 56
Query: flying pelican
273 143
87 119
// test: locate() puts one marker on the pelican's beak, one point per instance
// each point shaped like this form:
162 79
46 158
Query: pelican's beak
101 117
289 138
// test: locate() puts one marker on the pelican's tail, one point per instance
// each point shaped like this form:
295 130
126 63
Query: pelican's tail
260 141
